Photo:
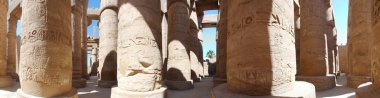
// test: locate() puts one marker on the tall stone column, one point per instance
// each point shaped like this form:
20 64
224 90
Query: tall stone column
108 43
139 50
46 58
372 89
194 44
11 61
331 38
5 80
359 55
314 64
94 56
297 25
261 51
343 57
164 25
76 23
221 52
179 67
84 40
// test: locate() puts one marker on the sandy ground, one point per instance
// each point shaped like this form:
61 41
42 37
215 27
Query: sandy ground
201 90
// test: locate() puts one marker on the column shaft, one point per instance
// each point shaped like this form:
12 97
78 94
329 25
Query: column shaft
46 58
76 23
5 80
11 62
359 30
221 52
84 41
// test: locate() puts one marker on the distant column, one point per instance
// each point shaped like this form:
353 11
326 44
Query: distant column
139 50
314 64
178 74
11 62
46 56
108 26
343 57
194 46
5 80
76 23
359 33
221 52
84 41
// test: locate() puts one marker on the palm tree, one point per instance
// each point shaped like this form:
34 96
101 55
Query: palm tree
210 54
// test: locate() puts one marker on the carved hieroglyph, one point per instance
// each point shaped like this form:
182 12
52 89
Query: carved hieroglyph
178 68
46 58
5 80
261 51
359 29
76 21
222 41
107 48
139 61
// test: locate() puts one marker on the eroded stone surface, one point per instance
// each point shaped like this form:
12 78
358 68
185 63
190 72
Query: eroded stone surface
222 41
46 58
261 50
76 23
343 59
359 29
5 80
139 55
179 65
107 47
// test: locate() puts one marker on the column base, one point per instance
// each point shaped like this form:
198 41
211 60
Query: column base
5 81
116 92
72 94
179 85
79 83
301 90
106 84
321 83
355 81
218 81
367 90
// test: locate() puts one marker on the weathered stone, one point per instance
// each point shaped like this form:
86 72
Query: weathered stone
359 29
314 64
179 67
46 58
205 68
331 37
84 41
343 57
221 53
11 59
107 48
108 4
261 50
94 57
297 25
193 47
5 80
139 56
76 23
164 50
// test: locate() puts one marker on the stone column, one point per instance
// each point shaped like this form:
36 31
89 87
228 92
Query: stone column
84 41
314 64
194 44
343 63
297 25
5 80
164 25
372 89
94 56
359 29
94 33
221 52
261 51
46 58
179 67
139 50
331 40
11 61
108 44
76 23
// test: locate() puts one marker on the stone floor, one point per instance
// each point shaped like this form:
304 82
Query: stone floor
201 90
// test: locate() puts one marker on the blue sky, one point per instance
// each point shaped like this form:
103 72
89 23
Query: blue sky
209 34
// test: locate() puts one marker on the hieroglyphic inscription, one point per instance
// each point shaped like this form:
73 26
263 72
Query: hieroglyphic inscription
44 35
